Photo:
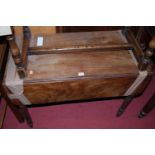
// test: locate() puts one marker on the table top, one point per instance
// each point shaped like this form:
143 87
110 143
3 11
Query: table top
77 64
85 64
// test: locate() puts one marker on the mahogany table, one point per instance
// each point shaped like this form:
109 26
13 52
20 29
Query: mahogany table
56 67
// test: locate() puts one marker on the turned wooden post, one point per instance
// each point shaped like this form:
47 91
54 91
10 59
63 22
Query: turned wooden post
151 103
124 105
17 57
143 64
23 109
27 35
148 107
146 59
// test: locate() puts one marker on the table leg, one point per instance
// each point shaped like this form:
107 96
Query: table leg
124 105
13 107
148 107
26 115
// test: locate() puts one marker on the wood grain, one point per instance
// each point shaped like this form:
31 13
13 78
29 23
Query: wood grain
90 88
68 65
15 52
3 89
42 30
3 107
57 73
137 50
80 48
18 30
35 30
55 77
77 40
16 57
25 53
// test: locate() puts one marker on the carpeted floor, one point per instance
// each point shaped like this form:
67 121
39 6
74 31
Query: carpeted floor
99 114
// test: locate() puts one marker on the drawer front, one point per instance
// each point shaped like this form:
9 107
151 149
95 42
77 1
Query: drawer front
82 89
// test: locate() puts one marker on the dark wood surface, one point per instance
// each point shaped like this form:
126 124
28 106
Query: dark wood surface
137 49
2 48
124 105
81 40
25 47
78 66
66 29
91 88
3 57
143 85
148 107
56 76
3 89
69 65
3 106
16 54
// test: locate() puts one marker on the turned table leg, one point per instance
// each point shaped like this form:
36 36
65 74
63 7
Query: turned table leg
16 112
148 107
20 111
13 107
124 105
26 115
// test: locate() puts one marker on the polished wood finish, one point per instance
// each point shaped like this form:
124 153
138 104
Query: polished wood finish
79 41
59 75
4 51
152 43
2 112
42 30
148 107
17 57
63 57
68 65
35 30
137 50
124 105
18 31
11 104
140 47
79 89
25 47
146 61
79 48
24 111
3 47
2 54
79 66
